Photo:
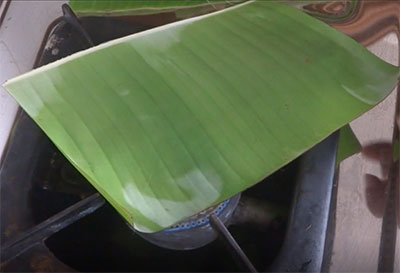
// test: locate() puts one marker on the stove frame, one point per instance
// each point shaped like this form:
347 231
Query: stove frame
311 222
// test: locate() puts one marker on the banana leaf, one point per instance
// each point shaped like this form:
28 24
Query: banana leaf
134 7
348 144
170 121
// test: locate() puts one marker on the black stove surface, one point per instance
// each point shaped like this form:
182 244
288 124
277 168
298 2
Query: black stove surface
52 219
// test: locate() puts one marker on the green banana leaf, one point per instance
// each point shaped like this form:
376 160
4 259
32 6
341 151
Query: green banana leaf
348 144
170 121
134 7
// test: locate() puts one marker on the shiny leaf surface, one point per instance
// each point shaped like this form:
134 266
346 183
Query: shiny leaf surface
170 121
134 7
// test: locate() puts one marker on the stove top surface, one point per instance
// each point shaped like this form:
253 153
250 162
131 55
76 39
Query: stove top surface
53 219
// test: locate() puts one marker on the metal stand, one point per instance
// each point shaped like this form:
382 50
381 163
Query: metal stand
233 247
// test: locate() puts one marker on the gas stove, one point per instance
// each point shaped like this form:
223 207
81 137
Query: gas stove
53 220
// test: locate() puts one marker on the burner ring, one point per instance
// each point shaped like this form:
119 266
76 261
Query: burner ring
198 221
194 231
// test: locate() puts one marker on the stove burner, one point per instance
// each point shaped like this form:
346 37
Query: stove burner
200 219
66 244
195 231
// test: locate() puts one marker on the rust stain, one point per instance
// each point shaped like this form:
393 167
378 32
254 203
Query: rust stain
41 263
11 229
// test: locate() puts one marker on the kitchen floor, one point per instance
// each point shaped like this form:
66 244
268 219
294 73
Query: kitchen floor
356 244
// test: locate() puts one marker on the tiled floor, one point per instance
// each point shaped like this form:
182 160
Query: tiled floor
357 238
